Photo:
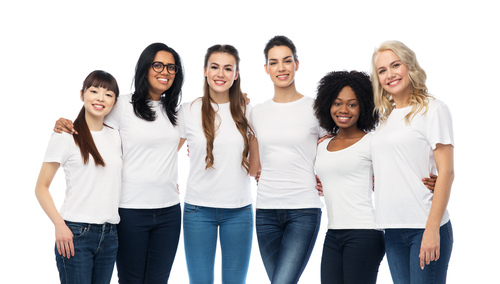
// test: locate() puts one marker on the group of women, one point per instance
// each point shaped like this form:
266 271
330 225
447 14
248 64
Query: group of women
121 171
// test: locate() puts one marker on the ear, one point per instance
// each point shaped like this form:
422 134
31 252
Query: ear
265 69
81 95
297 65
237 75
205 72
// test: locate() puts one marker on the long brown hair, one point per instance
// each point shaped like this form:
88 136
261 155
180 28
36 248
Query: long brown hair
84 139
237 105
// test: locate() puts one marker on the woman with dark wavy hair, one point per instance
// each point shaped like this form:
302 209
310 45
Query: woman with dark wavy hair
149 205
353 248
218 197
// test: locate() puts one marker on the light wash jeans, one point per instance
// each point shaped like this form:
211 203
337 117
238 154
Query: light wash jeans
201 227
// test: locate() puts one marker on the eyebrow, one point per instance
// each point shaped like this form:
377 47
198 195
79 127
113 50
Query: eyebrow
284 58
347 100
391 63
214 63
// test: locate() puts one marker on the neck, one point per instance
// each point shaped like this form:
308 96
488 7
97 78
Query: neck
219 98
349 133
286 94
402 100
154 96
94 123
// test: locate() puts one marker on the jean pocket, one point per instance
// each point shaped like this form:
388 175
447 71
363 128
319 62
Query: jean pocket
189 209
77 229
114 231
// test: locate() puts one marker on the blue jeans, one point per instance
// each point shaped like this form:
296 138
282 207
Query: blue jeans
403 249
148 244
200 241
352 256
286 239
95 254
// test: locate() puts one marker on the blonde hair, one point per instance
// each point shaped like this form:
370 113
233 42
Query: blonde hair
419 95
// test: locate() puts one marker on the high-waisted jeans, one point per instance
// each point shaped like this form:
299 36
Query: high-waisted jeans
148 244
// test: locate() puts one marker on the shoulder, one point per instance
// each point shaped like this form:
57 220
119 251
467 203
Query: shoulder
437 106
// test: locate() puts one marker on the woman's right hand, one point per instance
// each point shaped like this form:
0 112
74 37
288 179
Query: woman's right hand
64 241
64 125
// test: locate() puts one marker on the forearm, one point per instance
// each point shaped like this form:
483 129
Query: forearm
440 199
47 203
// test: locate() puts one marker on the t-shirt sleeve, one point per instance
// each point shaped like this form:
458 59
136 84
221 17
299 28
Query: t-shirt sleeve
57 148
250 111
440 128
114 117
181 121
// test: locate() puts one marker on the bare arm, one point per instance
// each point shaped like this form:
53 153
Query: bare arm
64 236
253 157
430 250
181 142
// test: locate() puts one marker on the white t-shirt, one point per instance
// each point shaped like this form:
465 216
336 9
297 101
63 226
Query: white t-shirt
228 185
402 156
347 181
149 177
92 192
288 135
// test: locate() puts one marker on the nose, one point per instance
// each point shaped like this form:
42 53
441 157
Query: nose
390 73
343 108
281 66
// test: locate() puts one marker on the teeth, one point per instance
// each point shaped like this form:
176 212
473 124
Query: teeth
98 106
162 79
282 76
393 82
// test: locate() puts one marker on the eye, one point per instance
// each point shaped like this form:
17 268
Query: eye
352 105
381 72
214 67
109 95
229 69
396 65
288 61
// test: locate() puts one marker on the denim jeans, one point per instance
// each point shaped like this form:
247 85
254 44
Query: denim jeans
201 225
286 239
403 249
95 254
148 244
352 256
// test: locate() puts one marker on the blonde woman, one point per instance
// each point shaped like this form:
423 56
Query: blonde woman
415 138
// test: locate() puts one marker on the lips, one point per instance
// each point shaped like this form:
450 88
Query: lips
394 82
163 80
282 77
343 119
219 82
98 106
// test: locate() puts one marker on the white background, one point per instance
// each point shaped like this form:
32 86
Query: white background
48 47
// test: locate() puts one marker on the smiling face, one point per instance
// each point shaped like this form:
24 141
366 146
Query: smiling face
281 66
221 71
98 101
393 74
160 82
345 109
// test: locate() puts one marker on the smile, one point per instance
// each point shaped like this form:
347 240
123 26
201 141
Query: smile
282 77
394 83
343 119
163 80
219 82
98 106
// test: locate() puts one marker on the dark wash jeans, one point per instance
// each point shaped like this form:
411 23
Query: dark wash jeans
148 244
352 256
286 239
95 254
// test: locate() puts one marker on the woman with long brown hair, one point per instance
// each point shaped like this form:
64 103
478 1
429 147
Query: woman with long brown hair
85 226
218 196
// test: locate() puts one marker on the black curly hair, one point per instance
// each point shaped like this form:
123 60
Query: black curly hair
329 88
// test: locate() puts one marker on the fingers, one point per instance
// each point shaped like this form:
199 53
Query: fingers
66 249
64 125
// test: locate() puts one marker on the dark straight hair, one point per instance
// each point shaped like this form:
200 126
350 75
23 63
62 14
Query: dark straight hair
83 140
170 99
280 40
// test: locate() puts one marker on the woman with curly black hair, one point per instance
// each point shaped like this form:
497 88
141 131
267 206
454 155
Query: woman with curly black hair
353 248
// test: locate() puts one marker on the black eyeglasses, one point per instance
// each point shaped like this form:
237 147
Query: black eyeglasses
158 67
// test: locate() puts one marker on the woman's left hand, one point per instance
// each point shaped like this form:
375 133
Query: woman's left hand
429 248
